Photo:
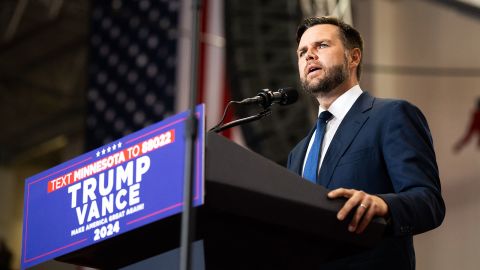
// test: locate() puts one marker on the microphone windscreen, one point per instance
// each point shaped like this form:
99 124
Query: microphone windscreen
289 95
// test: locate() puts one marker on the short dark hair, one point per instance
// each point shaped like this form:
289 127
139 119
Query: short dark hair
350 36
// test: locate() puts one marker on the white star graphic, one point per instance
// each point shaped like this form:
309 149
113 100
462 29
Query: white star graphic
114 147
103 151
109 149
119 144
98 153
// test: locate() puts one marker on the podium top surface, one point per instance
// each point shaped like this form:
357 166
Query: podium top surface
247 184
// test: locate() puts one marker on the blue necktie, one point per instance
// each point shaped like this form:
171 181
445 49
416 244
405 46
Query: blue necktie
310 171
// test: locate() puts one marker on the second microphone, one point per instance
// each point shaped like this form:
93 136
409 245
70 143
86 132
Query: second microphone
283 96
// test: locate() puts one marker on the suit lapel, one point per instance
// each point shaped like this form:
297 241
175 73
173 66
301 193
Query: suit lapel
344 136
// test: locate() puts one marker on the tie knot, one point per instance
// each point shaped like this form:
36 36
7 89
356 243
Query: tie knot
325 116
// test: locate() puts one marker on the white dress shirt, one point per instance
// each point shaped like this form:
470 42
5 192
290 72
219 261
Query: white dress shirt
339 108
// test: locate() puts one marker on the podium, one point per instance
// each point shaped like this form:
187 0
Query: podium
257 215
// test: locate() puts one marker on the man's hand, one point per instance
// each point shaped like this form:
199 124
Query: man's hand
367 206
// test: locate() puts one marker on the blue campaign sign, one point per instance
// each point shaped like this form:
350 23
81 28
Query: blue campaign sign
111 190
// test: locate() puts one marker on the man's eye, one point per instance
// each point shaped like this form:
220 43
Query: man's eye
300 54
323 45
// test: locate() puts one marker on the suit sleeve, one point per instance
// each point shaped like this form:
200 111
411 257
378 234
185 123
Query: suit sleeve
416 205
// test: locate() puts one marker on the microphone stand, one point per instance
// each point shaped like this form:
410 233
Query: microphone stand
188 214
237 122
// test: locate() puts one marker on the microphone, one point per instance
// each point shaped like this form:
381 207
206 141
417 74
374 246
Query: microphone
283 96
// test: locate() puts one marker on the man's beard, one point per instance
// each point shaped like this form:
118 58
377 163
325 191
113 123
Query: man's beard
334 76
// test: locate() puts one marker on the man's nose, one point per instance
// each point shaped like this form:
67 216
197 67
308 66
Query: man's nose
311 55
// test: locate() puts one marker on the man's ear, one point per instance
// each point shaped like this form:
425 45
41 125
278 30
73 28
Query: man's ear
355 57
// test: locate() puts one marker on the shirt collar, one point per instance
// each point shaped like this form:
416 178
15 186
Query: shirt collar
340 107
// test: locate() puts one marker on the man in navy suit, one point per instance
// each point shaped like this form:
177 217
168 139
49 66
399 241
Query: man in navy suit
377 153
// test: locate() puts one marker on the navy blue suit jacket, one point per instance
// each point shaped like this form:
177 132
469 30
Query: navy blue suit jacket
384 147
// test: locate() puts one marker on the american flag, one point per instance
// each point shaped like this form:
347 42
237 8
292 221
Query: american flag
140 65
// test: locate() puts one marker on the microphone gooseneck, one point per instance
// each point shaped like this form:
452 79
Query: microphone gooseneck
266 98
